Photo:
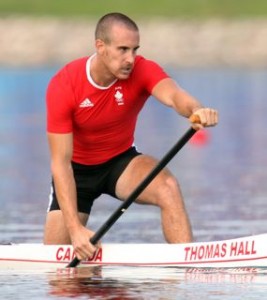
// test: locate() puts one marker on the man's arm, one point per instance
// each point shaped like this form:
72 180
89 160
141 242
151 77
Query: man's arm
169 93
61 147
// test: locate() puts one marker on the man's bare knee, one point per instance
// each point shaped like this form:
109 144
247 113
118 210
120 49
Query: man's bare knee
169 193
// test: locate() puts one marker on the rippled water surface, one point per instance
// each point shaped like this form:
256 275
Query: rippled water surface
222 174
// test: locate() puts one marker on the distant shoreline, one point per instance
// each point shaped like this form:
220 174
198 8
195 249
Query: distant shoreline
47 41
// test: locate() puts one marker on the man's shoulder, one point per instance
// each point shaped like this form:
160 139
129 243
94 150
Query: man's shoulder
147 73
142 61
72 70
77 64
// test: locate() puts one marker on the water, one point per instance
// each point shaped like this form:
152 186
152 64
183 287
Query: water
223 181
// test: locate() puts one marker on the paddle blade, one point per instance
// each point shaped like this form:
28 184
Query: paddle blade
74 263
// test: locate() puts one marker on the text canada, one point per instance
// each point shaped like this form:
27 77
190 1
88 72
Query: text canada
67 254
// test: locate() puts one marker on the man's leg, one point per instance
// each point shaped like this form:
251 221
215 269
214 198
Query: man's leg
163 191
55 229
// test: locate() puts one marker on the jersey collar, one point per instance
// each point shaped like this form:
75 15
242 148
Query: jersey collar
89 77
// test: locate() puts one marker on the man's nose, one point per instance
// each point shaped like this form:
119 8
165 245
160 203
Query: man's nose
130 57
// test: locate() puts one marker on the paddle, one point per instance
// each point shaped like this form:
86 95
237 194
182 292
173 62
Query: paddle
122 208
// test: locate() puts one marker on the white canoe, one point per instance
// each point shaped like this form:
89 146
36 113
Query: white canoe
245 252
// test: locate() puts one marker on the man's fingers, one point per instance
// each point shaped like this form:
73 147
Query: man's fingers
204 117
85 251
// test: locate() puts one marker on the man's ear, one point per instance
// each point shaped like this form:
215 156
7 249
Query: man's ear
100 46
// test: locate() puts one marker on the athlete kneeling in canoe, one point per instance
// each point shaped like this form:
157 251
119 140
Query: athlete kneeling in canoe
92 108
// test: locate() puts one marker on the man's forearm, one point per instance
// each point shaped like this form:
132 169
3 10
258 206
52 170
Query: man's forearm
66 194
186 104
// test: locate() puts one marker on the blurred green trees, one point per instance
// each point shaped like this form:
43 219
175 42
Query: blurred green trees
138 8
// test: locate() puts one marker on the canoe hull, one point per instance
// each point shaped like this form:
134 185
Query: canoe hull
246 252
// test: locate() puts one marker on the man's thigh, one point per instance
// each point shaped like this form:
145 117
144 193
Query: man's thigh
133 175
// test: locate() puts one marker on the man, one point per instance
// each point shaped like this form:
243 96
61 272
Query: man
92 108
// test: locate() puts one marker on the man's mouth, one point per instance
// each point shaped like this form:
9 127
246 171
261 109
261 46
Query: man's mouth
126 70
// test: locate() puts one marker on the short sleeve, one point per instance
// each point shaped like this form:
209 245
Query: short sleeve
149 73
59 104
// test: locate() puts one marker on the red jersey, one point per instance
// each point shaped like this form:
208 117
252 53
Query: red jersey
102 119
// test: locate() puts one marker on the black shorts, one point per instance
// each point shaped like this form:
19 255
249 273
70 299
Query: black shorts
94 180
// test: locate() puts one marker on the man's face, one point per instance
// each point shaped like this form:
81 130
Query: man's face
119 54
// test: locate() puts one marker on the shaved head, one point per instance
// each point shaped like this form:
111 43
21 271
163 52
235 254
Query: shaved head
104 25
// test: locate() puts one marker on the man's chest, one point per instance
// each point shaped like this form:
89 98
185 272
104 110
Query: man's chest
96 108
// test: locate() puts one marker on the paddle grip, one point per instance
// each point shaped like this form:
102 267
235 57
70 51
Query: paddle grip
195 119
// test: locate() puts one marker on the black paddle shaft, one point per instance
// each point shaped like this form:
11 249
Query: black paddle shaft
123 207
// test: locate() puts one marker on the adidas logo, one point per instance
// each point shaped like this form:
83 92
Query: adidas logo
86 103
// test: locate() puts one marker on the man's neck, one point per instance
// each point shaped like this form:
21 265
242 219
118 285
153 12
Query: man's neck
100 74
